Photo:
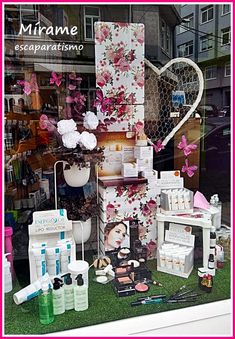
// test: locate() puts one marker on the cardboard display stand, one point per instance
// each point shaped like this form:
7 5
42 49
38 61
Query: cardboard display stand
50 227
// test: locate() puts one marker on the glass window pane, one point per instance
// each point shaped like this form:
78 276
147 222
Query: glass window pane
88 32
204 16
92 11
210 14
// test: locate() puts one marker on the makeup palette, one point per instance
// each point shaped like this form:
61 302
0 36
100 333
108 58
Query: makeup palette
141 287
123 282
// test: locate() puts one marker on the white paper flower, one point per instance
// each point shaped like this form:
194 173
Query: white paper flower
71 139
66 126
88 140
90 120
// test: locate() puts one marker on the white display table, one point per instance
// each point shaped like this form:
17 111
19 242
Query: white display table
203 222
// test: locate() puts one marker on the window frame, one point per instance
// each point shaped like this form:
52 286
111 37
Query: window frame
229 33
92 24
186 44
209 38
206 69
225 13
206 9
20 10
165 37
184 29
225 68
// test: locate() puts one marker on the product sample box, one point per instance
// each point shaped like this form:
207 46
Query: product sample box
176 201
175 255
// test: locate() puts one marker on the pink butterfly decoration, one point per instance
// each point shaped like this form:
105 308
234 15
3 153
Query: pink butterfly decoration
102 102
55 79
187 149
44 123
29 86
189 169
158 146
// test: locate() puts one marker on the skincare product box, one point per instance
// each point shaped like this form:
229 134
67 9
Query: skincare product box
176 201
169 183
51 244
170 174
175 255
129 170
143 152
144 164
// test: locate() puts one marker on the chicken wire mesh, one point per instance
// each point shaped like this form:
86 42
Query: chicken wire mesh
171 96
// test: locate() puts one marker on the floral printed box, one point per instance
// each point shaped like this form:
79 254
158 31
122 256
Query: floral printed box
127 194
116 211
119 51
121 117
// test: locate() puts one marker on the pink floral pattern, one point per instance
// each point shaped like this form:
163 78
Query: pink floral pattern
149 209
120 73
131 193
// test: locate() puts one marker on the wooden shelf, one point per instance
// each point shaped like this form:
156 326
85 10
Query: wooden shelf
122 181
21 116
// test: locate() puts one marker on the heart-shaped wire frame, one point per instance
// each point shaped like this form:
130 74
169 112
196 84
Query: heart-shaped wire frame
179 74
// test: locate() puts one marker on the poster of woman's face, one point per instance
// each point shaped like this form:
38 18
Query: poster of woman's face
116 235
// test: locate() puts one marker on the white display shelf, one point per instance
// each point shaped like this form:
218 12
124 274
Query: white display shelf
212 319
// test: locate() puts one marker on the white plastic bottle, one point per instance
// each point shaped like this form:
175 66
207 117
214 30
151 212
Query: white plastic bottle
58 297
68 292
80 295
7 275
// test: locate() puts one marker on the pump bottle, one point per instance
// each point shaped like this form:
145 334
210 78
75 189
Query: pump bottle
7 274
80 294
45 305
58 297
68 292
212 237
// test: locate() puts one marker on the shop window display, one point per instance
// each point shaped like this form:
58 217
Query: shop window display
105 193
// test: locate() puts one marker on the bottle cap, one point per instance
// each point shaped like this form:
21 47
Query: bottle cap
57 283
68 280
45 286
212 228
79 280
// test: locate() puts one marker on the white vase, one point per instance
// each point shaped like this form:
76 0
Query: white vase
78 227
76 176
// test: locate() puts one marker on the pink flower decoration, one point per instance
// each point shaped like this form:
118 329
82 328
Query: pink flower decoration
110 210
105 31
99 36
123 65
139 35
44 123
100 80
152 205
158 146
189 169
29 86
146 210
72 76
138 127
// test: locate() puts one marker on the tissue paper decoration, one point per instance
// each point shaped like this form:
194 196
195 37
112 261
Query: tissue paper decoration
200 201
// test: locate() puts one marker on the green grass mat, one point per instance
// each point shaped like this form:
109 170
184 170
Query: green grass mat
105 306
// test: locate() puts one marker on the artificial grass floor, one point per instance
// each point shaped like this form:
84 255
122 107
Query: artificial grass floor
105 306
